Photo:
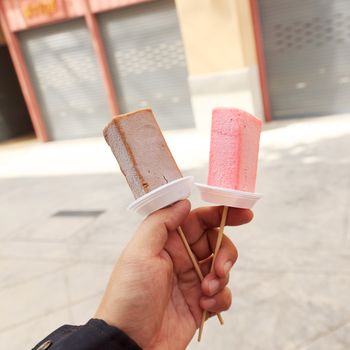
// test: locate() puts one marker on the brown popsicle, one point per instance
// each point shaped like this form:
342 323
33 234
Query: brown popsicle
141 151
144 158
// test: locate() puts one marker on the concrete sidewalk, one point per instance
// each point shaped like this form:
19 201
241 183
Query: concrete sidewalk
63 223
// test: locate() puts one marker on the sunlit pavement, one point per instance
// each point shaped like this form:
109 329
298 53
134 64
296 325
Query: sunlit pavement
63 223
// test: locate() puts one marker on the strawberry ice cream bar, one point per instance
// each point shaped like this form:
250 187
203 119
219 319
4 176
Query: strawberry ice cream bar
234 149
141 151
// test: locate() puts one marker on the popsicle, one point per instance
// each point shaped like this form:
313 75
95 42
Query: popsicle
145 159
234 149
141 151
233 160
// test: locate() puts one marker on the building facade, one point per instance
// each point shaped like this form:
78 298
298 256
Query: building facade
81 61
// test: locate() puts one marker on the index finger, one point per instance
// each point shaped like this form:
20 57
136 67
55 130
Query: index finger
205 218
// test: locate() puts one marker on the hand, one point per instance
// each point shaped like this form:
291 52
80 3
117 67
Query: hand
154 294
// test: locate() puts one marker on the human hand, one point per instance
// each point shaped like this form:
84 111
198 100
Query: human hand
154 294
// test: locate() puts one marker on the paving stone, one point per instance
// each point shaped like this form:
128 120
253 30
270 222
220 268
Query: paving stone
87 280
82 311
335 339
52 229
16 271
27 335
33 299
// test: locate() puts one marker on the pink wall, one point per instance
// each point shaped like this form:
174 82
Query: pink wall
71 9
104 5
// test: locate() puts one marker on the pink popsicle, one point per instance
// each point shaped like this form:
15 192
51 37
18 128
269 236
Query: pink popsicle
234 148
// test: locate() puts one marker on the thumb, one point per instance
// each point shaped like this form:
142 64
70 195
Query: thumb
152 234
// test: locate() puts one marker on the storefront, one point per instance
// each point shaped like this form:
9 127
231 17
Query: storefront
81 62
304 49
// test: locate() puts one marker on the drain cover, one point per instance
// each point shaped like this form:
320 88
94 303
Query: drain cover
77 213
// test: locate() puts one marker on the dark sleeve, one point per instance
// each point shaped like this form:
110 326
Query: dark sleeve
95 335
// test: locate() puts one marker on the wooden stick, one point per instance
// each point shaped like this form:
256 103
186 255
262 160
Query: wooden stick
217 247
190 253
194 262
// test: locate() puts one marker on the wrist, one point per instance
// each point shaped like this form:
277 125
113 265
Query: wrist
116 321
116 335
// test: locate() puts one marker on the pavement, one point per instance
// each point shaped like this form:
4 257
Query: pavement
63 224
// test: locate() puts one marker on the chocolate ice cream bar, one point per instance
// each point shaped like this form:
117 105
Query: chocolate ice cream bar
141 151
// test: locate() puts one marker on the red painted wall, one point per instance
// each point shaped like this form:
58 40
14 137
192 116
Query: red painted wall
261 60
48 11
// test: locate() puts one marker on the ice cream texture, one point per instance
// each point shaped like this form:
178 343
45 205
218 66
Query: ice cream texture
234 148
141 151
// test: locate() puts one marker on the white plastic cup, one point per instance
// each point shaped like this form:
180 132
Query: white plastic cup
162 196
227 196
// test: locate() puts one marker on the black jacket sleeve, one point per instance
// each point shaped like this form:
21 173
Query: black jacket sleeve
95 335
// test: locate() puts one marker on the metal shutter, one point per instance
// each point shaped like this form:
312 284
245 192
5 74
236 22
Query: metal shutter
307 50
67 80
145 51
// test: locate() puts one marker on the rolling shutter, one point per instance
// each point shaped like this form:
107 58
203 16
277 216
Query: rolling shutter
307 53
146 56
66 78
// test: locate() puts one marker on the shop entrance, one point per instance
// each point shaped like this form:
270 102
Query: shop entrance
14 116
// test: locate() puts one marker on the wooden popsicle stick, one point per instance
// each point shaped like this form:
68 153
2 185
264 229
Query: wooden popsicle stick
217 247
194 262
190 253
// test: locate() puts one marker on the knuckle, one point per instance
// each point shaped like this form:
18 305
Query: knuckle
224 281
235 253
227 299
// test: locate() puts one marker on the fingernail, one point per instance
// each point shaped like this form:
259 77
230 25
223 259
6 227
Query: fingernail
209 303
213 286
228 266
